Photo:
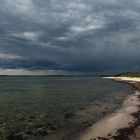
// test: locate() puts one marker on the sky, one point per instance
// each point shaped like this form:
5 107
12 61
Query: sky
69 36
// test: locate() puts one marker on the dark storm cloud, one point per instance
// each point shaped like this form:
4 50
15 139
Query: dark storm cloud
85 36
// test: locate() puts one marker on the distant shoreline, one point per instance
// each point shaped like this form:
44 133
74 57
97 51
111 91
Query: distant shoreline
124 124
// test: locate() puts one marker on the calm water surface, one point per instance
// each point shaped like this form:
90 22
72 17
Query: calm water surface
54 107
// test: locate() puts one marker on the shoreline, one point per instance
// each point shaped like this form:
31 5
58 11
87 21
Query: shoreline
124 123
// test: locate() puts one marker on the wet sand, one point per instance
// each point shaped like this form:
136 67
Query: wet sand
123 124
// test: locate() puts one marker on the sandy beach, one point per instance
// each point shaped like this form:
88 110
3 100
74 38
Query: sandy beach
124 123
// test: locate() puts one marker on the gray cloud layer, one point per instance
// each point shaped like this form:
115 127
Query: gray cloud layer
85 36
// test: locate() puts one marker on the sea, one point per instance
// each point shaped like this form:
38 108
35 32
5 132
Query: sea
55 107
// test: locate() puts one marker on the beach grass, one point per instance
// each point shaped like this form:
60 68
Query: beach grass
128 74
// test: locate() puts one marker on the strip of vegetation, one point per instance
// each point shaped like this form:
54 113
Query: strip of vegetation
128 74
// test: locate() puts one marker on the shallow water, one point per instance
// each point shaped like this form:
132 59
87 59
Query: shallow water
54 107
109 126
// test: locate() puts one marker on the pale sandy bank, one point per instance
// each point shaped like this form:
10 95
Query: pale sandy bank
127 79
